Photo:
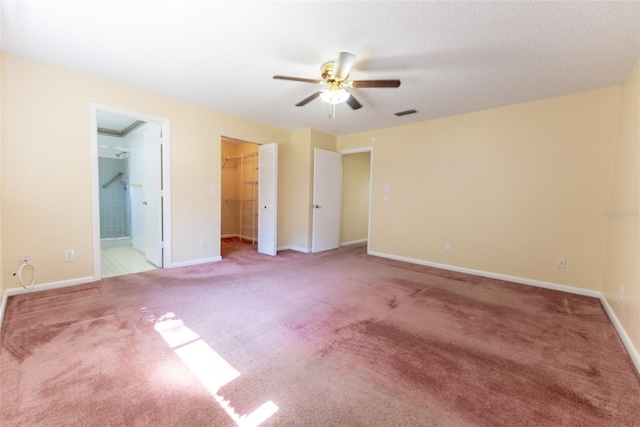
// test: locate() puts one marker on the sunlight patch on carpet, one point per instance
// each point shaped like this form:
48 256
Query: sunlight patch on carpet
211 369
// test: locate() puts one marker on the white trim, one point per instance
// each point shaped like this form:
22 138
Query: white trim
294 248
626 341
3 306
498 276
238 236
622 333
353 242
138 248
41 287
165 125
356 150
195 262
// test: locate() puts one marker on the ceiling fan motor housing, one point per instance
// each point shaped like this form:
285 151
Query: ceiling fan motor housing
328 75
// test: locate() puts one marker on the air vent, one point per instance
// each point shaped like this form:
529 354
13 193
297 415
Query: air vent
404 113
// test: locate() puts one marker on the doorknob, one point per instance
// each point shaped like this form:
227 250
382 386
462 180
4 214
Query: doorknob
144 203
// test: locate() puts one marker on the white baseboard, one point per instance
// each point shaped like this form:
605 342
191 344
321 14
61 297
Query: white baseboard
239 236
498 276
139 248
41 287
294 248
628 344
195 262
353 242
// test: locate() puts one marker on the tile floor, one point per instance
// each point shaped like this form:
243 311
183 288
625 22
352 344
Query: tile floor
120 261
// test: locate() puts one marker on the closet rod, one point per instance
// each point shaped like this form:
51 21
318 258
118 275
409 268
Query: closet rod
240 156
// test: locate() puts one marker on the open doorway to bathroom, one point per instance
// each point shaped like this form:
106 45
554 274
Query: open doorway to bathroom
128 181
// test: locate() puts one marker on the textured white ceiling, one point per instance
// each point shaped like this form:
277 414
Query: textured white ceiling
452 57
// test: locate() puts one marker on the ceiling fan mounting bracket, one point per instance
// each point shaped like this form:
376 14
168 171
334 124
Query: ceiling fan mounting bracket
328 74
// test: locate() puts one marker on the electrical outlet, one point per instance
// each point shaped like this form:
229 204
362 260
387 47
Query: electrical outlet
25 259
203 241
621 290
561 263
447 247
69 255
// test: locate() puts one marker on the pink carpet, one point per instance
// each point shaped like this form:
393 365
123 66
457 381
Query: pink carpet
332 339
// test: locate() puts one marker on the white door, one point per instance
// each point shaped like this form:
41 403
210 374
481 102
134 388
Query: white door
153 195
267 199
327 193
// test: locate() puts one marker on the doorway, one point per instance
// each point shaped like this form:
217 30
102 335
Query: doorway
341 198
239 192
356 195
130 194
249 196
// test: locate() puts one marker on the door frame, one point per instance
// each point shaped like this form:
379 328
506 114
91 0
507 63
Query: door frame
365 150
165 126
275 229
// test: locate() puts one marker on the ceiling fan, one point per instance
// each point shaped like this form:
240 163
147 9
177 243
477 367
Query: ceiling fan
334 75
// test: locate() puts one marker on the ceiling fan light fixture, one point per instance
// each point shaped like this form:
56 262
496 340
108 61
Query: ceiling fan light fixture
334 95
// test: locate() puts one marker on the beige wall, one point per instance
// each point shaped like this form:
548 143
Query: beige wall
295 214
511 189
355 196
2 279
228 223
46 166
623 217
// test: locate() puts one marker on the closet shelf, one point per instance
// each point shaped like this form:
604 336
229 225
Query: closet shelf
240 156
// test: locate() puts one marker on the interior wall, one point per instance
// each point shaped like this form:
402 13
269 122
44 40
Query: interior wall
512 189
229 225
2 281
293 213
356 178
49 165
621 272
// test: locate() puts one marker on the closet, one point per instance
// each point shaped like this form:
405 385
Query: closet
239 190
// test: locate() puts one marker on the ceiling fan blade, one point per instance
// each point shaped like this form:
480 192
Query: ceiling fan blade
353 103
308 99
298 79
343 65
374 83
